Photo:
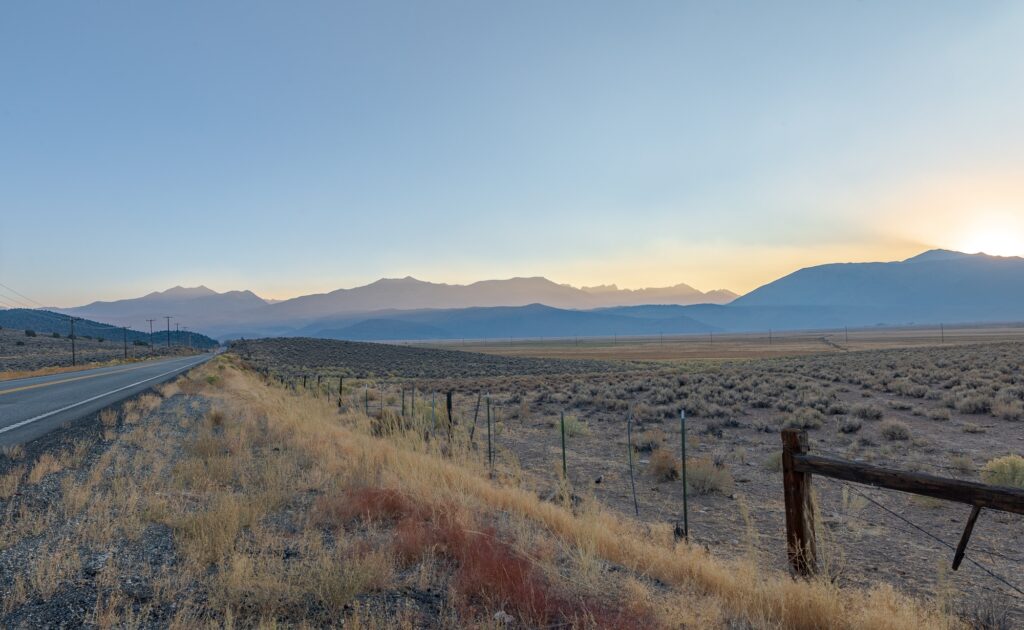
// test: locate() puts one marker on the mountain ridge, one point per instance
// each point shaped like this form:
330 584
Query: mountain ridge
932 287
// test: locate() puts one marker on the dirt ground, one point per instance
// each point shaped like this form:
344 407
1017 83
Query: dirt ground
716 346
946 410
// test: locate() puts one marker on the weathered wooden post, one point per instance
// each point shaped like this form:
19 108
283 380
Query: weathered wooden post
341 390
800 539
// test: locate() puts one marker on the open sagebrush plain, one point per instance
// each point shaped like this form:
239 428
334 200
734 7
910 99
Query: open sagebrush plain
250 494
947 410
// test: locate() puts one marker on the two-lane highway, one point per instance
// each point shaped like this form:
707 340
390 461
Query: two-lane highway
32 407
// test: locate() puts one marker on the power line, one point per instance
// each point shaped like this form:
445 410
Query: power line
21 294
16 301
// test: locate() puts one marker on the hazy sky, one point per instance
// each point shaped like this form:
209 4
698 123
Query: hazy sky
299 147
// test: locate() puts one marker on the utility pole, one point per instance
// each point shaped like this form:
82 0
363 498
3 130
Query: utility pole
942 333
151 334
168 318
72 335
124 337
189 337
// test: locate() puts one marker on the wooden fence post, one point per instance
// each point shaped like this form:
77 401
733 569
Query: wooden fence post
801 545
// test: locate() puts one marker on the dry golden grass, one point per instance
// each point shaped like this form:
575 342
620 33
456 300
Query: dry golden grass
45 465
57 564
343 453
391 511
10 481
108 417
13 452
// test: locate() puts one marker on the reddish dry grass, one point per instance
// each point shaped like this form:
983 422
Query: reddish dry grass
489 573
380 504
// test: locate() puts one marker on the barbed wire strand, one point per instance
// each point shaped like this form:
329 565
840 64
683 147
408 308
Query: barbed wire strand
927 533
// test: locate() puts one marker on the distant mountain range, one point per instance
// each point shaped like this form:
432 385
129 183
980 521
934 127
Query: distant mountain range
936 286
239 311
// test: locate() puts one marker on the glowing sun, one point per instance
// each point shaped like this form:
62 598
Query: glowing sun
997 240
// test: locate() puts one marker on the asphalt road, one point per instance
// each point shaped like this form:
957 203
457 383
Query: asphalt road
32 407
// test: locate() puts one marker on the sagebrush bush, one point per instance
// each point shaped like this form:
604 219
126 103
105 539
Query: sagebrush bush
1005 471
574 427
939 413
804 418
895 430
649 440
975 403
962 463
850 425
664 466
867 412
704 476
1008 409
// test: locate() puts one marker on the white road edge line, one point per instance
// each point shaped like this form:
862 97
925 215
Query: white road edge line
18 425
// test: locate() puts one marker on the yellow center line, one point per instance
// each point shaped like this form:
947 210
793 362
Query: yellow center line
69 380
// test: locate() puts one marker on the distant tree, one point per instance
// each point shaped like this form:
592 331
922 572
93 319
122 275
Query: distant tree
99 339
20 343
29 332
56 335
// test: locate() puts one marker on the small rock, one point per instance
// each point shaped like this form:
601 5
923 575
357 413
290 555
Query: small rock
599 479
137 590
95 564
503 617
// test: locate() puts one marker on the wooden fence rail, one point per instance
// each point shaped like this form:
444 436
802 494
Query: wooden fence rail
798 466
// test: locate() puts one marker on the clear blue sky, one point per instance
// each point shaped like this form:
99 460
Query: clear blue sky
299 147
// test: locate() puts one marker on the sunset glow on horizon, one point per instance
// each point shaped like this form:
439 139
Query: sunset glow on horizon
299 151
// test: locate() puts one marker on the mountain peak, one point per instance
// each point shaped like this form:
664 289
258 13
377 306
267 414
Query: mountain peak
937 254
180 290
